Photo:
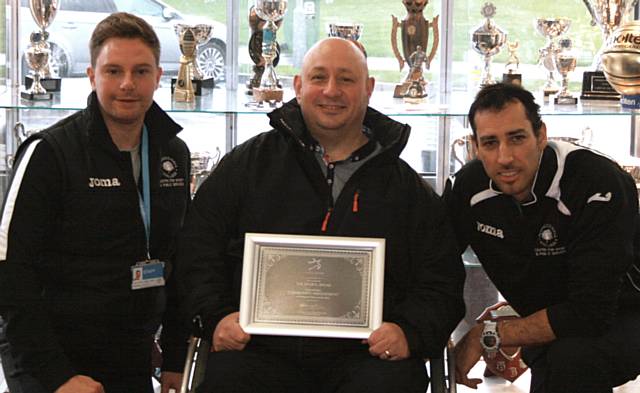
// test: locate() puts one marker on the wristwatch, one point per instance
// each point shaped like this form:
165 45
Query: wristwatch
490 339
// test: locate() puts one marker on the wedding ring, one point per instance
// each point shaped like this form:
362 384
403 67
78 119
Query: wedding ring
386 352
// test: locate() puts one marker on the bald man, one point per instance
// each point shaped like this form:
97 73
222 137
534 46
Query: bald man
329 167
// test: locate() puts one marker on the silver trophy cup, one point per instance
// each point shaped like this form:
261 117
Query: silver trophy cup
270 11
348 31
189 37
565 61
488 40
551 29
37 56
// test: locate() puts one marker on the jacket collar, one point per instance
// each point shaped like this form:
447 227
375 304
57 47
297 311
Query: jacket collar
391 135
160 125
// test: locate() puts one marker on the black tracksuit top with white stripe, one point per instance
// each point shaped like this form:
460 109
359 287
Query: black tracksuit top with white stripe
71 230
571 250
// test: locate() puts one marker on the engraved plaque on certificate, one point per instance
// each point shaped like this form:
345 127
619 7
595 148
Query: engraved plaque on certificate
312 285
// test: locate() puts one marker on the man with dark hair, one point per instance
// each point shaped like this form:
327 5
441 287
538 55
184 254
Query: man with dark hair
555 226
330 167
88 230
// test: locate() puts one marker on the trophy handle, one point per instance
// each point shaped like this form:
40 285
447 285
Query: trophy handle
590 9
394 40
436 39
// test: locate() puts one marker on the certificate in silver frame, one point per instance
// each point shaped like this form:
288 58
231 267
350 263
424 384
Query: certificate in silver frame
314 286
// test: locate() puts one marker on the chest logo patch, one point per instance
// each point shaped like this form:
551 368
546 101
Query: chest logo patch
598 197
489 230
169 167
548 242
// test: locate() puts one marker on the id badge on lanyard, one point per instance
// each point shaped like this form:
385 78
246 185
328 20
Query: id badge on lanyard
150 272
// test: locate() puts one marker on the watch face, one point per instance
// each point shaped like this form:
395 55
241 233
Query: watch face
490 341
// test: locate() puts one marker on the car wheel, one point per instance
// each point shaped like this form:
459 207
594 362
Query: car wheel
58 62
211 59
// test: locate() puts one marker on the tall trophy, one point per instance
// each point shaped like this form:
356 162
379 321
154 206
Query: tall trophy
37 56
270 11
565 60
620 59
488 40
189 37
609 15
256 24
512 72
551 29
415 41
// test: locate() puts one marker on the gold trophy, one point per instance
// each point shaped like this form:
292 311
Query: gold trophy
415 40
189 37
270 11
620 60
608 15
512 72
43 12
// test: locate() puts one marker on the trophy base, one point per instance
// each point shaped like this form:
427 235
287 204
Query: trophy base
565 100
36 96
267 95
400 91
198 85
596 87
549 92
49 84
514 79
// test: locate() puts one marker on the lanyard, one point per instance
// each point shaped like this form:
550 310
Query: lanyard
145 198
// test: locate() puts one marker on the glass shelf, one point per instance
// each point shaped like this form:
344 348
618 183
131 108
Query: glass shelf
222 101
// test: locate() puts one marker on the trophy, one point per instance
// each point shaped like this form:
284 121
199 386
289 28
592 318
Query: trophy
565 61
270 11
202 163
620 59
488 40
347 31
608 14
37 56
512 72
255 50
415 39
189 37
550 29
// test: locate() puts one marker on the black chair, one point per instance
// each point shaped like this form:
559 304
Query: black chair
442 372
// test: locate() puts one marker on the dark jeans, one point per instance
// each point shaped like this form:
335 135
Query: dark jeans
588 365
301 368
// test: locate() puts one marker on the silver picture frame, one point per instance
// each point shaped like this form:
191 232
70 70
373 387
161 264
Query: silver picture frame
313 286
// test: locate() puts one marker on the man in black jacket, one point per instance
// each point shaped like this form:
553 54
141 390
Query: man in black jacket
554 226
330 167
88 231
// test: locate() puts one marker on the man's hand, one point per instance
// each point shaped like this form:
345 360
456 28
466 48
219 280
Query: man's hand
228 335
170 380
81 384
388 342
467 353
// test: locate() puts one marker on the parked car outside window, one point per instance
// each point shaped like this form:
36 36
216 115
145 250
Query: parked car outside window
74 22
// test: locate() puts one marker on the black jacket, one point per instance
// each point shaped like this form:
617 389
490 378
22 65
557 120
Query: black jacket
273 184
71 230
570 250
